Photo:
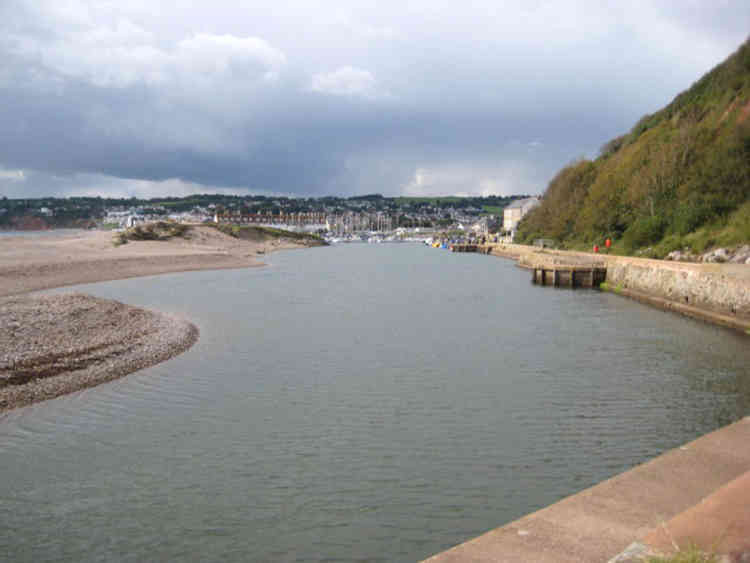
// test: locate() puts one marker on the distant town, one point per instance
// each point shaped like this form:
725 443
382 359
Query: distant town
333 215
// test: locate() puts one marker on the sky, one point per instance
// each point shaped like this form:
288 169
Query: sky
150 98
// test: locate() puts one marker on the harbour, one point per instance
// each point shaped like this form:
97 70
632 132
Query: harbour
377 402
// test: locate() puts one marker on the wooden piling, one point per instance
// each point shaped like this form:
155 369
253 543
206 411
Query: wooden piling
569 276
465 248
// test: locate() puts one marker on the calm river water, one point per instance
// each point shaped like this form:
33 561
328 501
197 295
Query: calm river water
357 403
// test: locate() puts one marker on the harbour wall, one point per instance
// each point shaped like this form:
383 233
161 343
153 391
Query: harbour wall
718 293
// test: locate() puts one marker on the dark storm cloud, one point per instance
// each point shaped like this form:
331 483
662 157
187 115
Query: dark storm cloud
357 98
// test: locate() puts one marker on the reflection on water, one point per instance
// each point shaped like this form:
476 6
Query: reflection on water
373 403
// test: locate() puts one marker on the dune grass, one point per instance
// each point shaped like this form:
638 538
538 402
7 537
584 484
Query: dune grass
690 555
261 233
159 230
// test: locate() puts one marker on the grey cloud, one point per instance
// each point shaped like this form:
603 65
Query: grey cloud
358 98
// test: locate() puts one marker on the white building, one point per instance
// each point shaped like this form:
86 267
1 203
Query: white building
514 212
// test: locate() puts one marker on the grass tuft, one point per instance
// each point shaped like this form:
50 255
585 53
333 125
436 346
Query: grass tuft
691 555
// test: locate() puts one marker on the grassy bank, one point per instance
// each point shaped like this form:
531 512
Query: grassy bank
160 230
690 555
256 233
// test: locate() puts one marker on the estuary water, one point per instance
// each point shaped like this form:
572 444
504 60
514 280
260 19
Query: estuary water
48 233
357 403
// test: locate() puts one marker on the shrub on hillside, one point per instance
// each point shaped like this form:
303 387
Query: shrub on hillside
689 216
612 146
643 232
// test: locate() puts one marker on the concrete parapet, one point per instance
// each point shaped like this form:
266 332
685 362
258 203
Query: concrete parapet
604 520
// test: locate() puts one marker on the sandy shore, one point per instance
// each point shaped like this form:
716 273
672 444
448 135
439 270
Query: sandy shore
56 344
34 263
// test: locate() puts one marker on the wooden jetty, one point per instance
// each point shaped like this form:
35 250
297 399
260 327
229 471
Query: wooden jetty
552 269
480 248
568 275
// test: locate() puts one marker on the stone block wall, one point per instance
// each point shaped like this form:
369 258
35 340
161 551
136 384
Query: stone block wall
724 289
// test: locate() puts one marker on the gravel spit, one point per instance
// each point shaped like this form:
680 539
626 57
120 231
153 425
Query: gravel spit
51 345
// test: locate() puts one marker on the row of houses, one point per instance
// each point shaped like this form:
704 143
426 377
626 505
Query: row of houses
301 219
347 222
336 222
124 219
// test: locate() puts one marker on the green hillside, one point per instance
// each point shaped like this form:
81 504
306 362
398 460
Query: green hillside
680 178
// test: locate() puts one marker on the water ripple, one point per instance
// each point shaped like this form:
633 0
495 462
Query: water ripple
380 404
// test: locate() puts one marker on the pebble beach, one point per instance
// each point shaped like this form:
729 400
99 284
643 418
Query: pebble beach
57 344
51 345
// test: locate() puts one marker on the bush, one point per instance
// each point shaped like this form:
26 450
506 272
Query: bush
701 239
670 243
161 230
740 220
644 231
689 216
611 147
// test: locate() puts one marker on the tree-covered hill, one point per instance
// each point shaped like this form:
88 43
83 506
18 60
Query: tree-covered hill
679 178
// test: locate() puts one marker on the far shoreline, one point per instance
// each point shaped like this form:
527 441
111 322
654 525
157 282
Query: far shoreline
36 262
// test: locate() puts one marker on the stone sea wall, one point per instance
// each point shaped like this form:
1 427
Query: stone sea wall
716 292
719 293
